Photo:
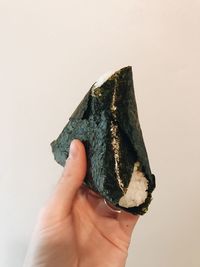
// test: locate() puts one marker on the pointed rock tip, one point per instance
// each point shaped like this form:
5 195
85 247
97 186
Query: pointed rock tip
106 76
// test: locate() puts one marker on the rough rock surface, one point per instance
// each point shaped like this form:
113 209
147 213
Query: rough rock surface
106 121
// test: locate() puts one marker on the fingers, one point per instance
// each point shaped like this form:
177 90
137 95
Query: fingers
73 175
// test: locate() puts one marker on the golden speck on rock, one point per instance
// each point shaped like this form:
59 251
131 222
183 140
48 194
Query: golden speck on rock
96 92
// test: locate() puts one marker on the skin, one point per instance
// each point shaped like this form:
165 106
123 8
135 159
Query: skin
75 228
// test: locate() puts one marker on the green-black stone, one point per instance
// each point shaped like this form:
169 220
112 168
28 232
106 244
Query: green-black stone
91 123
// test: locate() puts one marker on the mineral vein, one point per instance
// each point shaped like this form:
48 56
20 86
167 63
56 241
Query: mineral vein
115 140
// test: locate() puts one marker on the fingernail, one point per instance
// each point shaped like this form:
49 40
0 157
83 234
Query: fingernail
73 151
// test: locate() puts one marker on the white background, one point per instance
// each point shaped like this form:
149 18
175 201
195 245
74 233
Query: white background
51 52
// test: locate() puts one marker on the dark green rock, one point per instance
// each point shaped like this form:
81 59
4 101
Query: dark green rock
106 121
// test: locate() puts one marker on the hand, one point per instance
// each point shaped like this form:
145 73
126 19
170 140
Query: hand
76 228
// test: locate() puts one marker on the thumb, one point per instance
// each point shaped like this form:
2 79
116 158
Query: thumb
70 181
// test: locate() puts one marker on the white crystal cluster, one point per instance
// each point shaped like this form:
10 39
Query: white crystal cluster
136 193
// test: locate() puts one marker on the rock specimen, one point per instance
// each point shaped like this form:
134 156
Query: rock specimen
106 121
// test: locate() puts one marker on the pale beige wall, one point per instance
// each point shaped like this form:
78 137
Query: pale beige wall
50 54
